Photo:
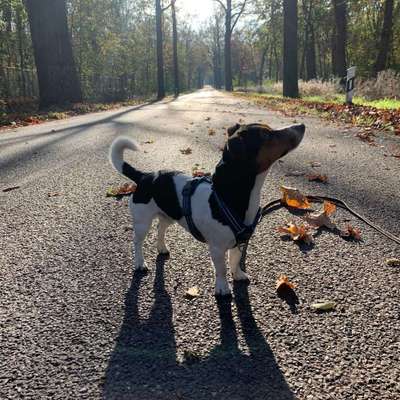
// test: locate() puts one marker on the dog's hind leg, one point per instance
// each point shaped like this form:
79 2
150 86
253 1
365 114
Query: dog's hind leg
234 256
143 217
163 224
222 287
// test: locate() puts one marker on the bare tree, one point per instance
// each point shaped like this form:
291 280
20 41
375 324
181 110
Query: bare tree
340 38
57 76
233 11
309 40
386 37
175 48
290 44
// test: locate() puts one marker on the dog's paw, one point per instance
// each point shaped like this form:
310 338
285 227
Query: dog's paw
222 288
239 275
164 253
141 267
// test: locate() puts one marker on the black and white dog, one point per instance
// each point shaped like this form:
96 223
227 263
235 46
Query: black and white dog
238 179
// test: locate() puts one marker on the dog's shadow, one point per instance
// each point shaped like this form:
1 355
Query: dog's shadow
144 365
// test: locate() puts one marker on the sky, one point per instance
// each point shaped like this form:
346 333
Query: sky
201 10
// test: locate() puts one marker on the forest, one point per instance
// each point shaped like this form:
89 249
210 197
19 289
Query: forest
69 51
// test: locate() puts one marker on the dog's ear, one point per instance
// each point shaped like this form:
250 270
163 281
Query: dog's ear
236 147
233 129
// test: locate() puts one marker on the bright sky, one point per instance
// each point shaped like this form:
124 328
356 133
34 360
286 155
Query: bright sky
200 10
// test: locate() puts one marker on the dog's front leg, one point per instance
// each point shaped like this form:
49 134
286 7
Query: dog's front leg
222 287
234 256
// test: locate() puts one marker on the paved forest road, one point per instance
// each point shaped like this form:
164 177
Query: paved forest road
77 324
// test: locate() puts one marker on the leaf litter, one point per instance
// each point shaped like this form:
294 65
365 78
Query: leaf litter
125 189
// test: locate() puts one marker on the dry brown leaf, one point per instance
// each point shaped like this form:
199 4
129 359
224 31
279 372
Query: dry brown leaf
125 189
321 218
298 233
393 262
351 232
186 151
292 197
324 305
192 292
329 208
211 132
10 188
283 283
53 194
318 178
150 141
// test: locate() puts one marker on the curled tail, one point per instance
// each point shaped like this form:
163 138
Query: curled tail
116 157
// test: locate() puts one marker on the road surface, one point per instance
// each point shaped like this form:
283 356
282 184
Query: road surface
76 323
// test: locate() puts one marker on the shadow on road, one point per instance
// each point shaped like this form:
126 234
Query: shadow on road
144 363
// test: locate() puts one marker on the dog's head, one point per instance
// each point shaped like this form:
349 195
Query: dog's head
259 145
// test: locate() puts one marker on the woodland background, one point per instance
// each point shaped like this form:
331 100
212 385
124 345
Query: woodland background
114 45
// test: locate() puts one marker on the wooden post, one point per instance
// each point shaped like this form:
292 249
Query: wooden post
350 78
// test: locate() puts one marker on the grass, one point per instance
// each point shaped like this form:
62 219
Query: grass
377 114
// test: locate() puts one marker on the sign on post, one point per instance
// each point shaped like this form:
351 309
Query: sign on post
350 78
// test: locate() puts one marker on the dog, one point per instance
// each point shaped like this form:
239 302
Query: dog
248 154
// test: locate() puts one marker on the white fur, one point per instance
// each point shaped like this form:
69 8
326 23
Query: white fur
219 237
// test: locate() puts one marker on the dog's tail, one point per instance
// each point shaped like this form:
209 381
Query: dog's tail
116 157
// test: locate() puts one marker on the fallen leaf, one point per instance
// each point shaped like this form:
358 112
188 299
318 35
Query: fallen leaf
351 232
207 118
125 189
318 178
298 233
150 141
315 164
186 151
393 262
321 218
292 197
53 194
191 123
283 283
211 132
324 305
10 188
192 292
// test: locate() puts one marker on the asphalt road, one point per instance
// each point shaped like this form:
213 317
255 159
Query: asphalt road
76 323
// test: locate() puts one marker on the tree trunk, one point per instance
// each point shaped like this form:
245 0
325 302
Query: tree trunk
175 49
58 80
262 65
228 55
386 37
160 55
340 10
309 42
290 68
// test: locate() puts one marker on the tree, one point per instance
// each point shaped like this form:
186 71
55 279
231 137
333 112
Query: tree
57 76
175 48
340 38
309 40
160 55
290 43
232 14
386 37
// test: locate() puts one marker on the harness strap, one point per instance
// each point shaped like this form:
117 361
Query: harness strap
187 193
241 231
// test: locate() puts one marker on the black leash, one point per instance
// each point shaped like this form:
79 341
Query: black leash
277 204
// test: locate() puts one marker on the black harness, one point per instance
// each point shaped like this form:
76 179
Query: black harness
241 231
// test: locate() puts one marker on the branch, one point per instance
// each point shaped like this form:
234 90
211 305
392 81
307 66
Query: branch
222 4
166 8
237 15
